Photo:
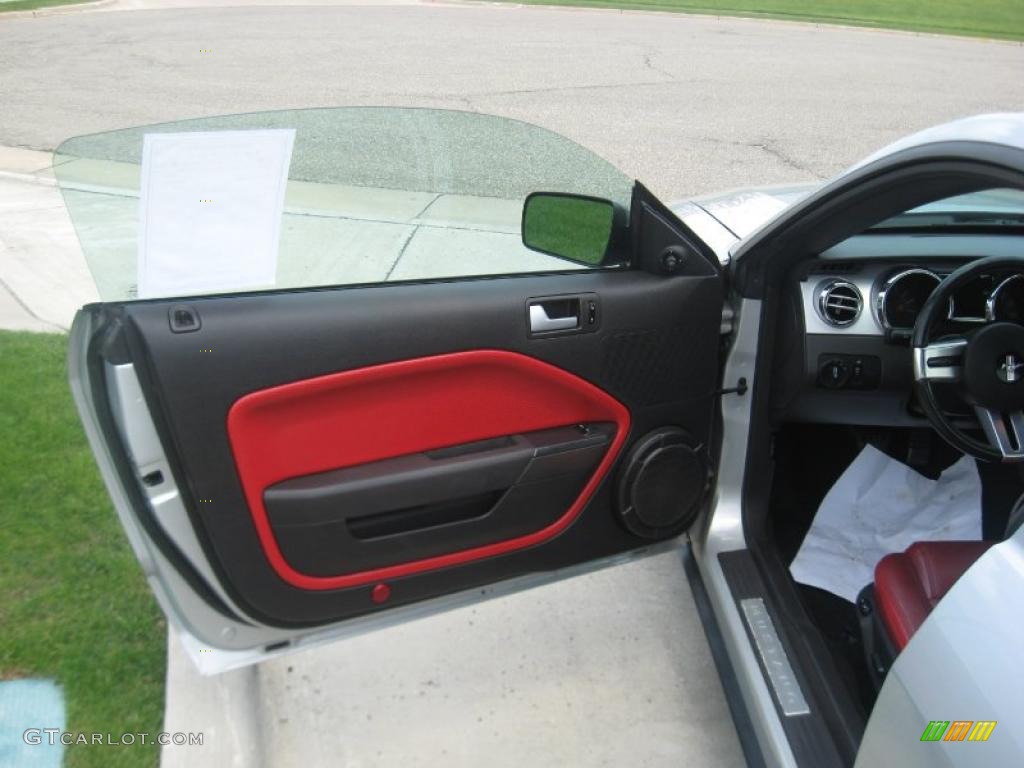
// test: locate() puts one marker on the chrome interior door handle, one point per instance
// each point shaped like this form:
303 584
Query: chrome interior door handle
541 323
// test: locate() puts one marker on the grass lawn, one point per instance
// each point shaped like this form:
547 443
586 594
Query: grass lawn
1002 19
74 605
31 5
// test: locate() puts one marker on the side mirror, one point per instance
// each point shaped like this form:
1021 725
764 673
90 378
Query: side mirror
573 227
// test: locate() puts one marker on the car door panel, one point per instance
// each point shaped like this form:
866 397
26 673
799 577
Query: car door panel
361 418
277 395
394 517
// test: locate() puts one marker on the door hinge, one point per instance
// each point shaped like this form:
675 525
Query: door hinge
728 316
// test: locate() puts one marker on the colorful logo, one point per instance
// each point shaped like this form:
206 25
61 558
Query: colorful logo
958 730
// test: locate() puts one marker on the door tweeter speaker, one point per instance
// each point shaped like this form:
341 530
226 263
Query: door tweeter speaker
663 483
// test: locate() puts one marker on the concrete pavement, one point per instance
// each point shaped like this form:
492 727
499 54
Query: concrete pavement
606 669
43 276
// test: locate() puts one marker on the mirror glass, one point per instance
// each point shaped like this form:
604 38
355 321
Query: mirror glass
571 227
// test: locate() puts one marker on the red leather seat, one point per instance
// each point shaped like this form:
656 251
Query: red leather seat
909 584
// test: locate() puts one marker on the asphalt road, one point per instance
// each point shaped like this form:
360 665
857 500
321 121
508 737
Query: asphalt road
687 104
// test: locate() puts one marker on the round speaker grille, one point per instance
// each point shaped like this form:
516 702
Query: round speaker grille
663 483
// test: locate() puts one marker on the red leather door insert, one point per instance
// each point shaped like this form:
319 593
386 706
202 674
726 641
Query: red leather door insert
383 411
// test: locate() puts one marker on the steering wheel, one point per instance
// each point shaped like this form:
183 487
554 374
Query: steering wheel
985 368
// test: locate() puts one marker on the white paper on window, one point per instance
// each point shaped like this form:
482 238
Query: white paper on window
879 506
210 210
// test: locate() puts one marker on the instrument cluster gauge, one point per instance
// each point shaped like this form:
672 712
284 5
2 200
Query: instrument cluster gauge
902 297
968 304
1006 302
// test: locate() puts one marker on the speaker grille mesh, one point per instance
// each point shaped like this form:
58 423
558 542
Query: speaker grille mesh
660 365
663 483
669 487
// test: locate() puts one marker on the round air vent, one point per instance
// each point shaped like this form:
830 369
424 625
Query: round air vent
663 484
839 303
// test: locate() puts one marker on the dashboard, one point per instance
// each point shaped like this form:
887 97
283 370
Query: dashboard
845 352
886 298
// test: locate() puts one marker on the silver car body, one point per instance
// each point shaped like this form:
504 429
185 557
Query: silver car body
965 661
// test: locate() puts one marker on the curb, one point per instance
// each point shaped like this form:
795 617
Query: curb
28 178
22 164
